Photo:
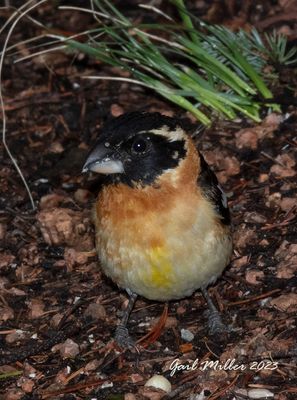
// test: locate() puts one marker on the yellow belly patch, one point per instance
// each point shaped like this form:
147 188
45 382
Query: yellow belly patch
160 272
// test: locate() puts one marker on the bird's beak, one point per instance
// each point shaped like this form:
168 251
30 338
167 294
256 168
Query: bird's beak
103 160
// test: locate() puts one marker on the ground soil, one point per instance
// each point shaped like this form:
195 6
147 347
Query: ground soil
58 312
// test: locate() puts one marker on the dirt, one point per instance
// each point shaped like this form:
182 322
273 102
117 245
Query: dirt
58 312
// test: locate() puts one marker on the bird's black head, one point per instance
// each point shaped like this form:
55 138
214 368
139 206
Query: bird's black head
136 148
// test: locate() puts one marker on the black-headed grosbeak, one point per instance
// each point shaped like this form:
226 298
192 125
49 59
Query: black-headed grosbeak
162 220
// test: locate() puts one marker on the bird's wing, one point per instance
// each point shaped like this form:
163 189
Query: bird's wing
213 191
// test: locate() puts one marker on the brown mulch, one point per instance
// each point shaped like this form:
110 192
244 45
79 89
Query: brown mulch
57 310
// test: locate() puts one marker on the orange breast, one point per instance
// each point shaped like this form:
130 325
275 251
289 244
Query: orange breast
142 212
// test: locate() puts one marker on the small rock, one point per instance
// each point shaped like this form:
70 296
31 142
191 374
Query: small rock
116 110
136 378
95 311
259 394
6 313
273 120
159 382
239 262
181 310
56 319
244 236
82 196
6 259
263 313
266 373
287 203
16 292
52 200
56 147
254 276
285 30
254 217
231 165
36 308
246 138
273 199
186 335
283 249
29 371
69 349
15 336
73 257
263 178
27 385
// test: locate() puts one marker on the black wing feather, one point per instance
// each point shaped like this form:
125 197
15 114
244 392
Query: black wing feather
212 190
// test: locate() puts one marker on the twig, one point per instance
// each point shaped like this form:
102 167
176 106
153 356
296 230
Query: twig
174 394
288 219
156 10
87 10
156 331
59 38
2 101
83 385
28 351
17 11
272 159
219 394
41 52
251 299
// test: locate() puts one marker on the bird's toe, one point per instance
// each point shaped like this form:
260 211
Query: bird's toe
123 339
216 326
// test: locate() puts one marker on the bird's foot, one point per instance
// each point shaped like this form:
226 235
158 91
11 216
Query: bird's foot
123 339
216 326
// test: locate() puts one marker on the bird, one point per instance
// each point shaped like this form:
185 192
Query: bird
162 222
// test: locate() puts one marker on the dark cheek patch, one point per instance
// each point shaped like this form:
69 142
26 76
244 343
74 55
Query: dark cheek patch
145 169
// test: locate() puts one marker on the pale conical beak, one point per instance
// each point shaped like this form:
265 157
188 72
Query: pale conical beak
103 160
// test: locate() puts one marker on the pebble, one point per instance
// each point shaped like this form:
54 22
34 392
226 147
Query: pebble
259 394
159 382
186 335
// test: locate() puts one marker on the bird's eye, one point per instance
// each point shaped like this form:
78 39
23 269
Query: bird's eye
140 146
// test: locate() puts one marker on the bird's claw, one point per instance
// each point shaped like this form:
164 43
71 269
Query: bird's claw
215 324
123 339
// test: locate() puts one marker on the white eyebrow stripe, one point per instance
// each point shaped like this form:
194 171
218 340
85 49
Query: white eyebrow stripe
177 134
